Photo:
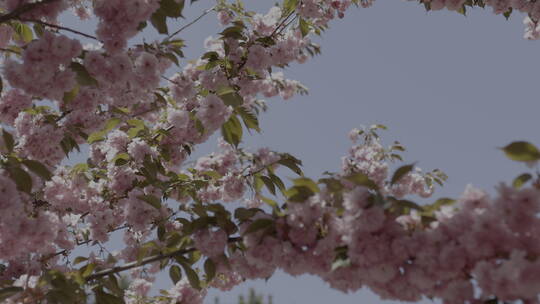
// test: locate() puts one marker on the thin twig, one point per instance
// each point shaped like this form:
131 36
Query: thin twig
191 23
65 251
169 80
145 261
286 25
282 22
16 13
262 169
59 27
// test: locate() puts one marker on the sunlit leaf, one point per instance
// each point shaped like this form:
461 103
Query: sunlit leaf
83 77
521 180
175 273
362 180
259 224
232 131
522 151
38 168
400 173
209 269
151 200
21 178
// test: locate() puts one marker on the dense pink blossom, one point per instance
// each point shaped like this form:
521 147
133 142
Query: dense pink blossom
353 228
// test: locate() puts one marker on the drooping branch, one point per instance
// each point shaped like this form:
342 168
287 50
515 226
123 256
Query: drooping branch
59 27
148 260
16 13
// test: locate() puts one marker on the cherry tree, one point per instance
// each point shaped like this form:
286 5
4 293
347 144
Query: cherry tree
137 112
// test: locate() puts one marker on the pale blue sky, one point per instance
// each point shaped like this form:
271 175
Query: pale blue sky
450 88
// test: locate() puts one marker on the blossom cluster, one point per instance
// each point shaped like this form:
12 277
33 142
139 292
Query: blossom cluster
140 127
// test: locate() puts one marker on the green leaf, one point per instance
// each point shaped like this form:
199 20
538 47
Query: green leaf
107 298
24 32
306 182
304 27
192 276
235 32
151 200
401 172
270 202
120 110
507 13
277 181
38 168
38 29
259 224
244 214
79 260
232 99
211 174
378 126
68 144
521 180
522 151
332 184
8 140
159 21
269 184
289 6
120 159
250 120
7 292
172 8
340 263
21 178
232 131
175 273
291 162
71 95
445 201
79 168
87 270
142 26
100 135
298 193
172 58
362 180
408 204
83 77
112 285
224 90
209 269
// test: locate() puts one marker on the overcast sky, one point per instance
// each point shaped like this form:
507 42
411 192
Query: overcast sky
451 88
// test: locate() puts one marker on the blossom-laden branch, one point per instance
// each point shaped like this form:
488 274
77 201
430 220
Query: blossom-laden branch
59 27
147 260
353 228
23 9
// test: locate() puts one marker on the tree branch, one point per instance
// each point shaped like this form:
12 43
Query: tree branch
282 23
191 23
16 13
59 27
145 261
